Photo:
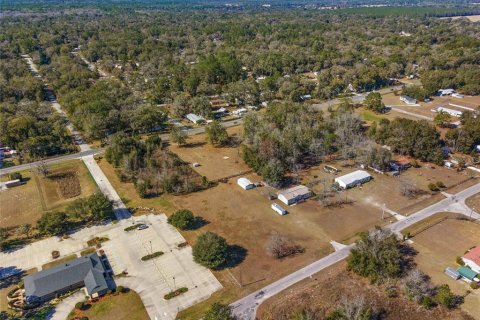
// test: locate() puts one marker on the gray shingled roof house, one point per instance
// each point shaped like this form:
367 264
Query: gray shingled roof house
87 271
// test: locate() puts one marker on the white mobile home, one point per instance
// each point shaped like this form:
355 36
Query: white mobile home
239 112
353 179
294 195
195 119
278 209
452 112
245 183
408 100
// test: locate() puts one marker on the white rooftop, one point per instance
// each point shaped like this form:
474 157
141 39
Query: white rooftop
353 177
294 192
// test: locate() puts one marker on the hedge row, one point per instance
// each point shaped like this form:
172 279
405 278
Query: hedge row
175 293
151 256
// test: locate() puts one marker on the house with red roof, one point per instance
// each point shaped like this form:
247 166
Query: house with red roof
472 259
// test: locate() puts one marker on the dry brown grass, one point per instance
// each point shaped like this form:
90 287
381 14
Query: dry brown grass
122 306
439 246
325 290
26 203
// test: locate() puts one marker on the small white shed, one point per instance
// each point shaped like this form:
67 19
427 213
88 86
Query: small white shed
278 209
245 183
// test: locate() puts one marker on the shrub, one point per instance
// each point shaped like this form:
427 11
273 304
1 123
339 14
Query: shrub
445 297
15 176
474 285
182 219
377 256
151 256
219 311
460 261
210 250
427 302
120 289
182 245
432 186
440 184
79 305
175 293
131 228
55 254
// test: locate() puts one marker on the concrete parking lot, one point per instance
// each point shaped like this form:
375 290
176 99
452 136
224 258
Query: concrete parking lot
151 279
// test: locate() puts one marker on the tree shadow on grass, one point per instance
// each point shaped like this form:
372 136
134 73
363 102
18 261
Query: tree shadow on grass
10 276
198 223
236 255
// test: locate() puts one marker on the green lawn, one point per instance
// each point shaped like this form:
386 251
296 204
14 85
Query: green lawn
370 116
123 306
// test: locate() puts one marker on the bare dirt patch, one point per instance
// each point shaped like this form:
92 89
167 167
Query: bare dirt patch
325 290
68 184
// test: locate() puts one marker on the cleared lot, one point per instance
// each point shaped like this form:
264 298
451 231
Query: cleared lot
326 290
26 203
215 163
439 246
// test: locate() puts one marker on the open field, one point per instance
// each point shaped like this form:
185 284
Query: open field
471 18
474 202
325 291
215 163
122 306
246 220
439 246
26 203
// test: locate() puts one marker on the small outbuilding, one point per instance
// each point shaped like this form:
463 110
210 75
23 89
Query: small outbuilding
353 179
294 195
467 273
195 118
408 100
452 273
278 209
245 183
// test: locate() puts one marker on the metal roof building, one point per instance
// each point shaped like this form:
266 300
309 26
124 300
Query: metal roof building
408 100
467 273
245 183
87 271
353 179
194 118
294 195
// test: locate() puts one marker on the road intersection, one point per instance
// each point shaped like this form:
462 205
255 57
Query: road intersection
245 308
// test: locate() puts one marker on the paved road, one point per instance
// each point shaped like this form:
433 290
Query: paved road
52 160
410 113
355 99
245 308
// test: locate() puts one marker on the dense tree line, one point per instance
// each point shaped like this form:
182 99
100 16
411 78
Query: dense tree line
419 139
27 122
202 53
152 168
93 209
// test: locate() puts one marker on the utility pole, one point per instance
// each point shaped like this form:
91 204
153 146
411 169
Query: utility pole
174 287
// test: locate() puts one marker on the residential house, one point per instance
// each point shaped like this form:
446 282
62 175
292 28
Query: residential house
353 179
294 195
408 100
195 119
472 259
